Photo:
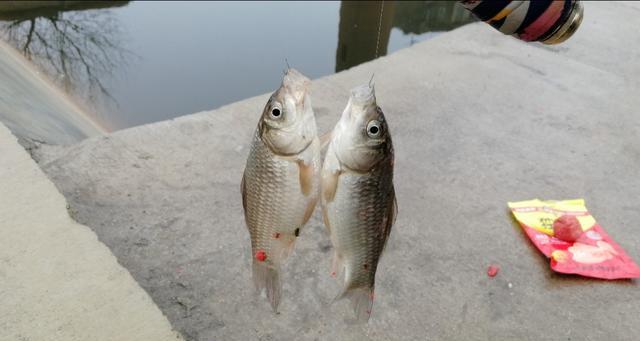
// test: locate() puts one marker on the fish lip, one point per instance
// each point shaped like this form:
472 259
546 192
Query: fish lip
363 95
296 84
379 143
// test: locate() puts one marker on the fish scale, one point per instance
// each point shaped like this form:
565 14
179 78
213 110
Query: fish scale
358 218
274 200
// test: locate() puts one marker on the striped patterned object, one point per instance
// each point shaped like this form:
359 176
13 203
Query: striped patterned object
546 21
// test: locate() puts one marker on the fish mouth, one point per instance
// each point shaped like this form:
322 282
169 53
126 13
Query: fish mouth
375 144
296 84
363 95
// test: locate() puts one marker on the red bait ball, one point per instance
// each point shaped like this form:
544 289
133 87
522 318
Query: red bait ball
567 228
261 256
492 271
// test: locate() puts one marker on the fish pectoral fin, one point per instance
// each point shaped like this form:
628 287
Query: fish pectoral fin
330 185
325 139
311 206
325 218
306 177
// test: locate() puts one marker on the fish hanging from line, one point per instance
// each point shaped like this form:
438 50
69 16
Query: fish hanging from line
280 184
358 197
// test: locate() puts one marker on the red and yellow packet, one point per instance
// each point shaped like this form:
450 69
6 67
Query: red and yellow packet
594 254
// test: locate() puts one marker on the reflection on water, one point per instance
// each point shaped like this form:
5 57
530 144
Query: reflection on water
358 35
361 22
77 49
418 17
196 56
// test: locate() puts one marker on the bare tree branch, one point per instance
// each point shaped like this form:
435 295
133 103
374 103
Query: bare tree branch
77 49
25 49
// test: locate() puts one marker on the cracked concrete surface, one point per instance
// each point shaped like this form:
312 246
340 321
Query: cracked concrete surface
478 119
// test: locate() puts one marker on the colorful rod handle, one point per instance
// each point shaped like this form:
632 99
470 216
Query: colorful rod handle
546 21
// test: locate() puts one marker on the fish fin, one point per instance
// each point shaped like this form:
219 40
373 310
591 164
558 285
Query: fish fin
324 140
284 247
311 206
306 177
330 185
336 265
267 276
325 218
361 300
244 193
392 213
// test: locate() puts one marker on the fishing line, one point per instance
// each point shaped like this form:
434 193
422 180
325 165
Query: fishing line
379 28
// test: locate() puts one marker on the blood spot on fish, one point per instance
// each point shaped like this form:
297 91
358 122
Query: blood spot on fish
333 274
366 266
297 232
261 256
276 235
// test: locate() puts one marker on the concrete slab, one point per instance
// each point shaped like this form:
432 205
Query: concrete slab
57 281
478 119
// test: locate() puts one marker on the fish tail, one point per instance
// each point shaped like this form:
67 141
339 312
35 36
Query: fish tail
361 300
267 276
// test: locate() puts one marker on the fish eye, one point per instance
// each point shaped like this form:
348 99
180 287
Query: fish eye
374 129
276 112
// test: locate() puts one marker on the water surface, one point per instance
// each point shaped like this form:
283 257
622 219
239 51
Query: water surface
140 62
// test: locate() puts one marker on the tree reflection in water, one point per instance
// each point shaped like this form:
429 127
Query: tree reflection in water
77 49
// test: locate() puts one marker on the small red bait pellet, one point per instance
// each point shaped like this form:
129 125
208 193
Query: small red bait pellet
492 271
261 256
567 228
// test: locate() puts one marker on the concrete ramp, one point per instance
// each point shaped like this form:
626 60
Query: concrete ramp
32 107
57 281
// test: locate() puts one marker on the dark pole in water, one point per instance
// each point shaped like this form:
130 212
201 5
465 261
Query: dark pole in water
358 32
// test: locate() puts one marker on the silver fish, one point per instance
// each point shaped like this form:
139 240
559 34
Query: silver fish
280 185
358 197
